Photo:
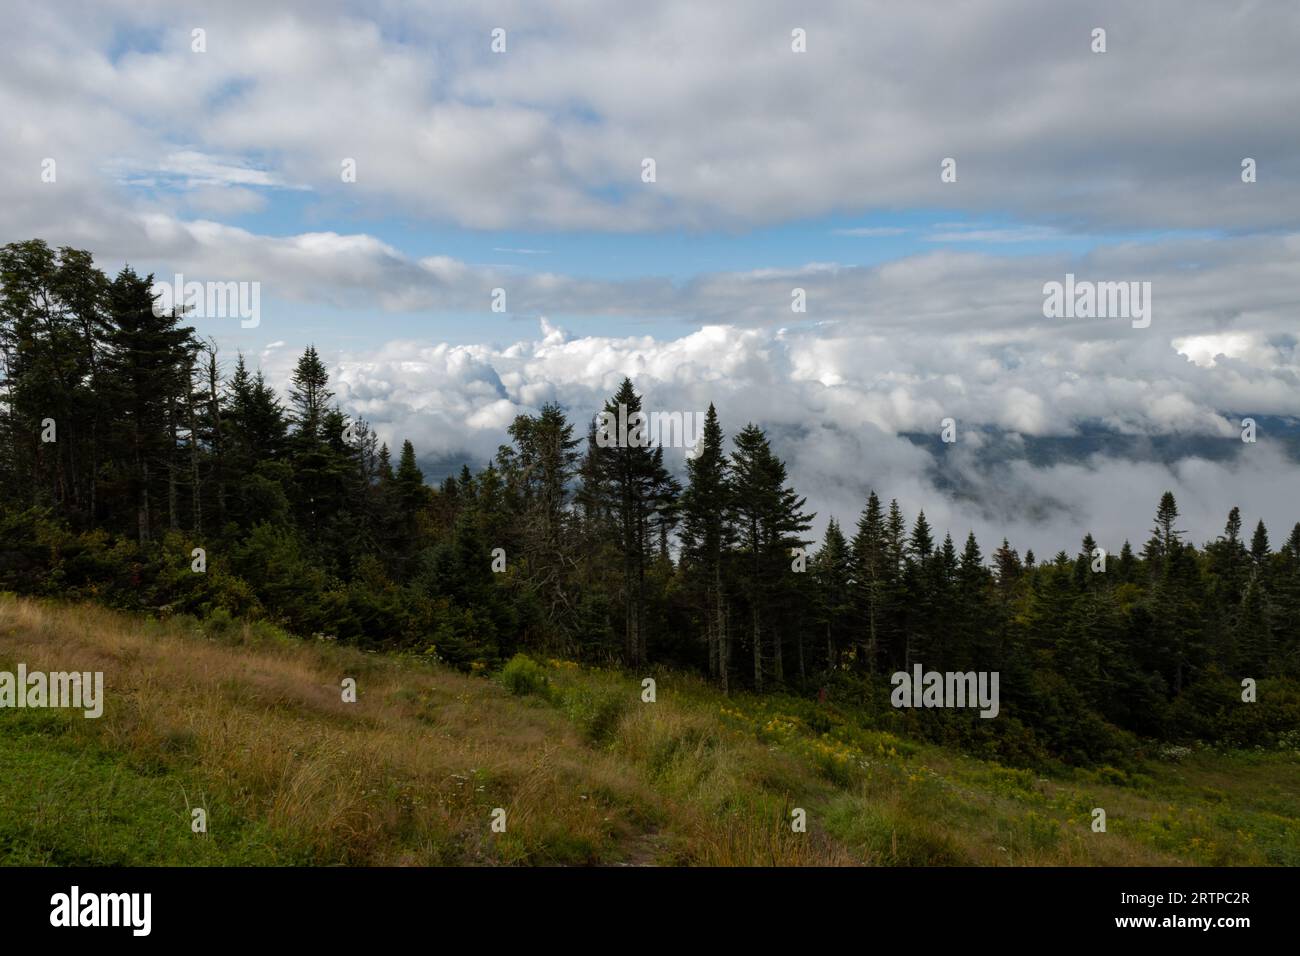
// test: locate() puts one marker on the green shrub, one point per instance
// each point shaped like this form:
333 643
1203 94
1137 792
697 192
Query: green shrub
219 622
597 713
1113 776
522 675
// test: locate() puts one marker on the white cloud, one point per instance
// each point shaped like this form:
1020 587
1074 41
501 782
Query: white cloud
1248 347
871 232
841 438
551 134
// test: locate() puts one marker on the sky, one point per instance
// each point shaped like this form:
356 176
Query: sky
794 147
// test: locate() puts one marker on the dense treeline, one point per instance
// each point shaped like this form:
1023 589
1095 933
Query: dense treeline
126 444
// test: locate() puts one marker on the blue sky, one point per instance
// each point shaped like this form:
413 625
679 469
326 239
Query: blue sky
850 241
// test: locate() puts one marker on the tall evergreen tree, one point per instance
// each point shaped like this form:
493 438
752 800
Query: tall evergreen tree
769 521
833 568
146 373
539 469
707 536
629 482
873 576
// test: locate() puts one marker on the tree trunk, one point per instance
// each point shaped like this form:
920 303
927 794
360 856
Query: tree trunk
725 649
142 512
214 410
94 468
871 634
173 514
710 634
641 649
779 663
719 624
196 521
629 622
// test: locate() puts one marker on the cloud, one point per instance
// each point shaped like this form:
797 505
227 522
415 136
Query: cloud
871 232
975 233
191 169
1202 290
846 433
551 134
1251 348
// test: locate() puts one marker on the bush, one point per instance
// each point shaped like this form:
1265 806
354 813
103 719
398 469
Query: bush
219 622
597 713
522 676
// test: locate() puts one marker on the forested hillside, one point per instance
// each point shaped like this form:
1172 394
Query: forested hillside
141 468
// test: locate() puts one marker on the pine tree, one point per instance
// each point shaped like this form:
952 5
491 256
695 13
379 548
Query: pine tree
833 571
921 543
538 470
146 373
412 494
1164 536
707 536
1252 633
1010 575
873 577
1293 542
1175 597
628 481
973 612
769 520
1232 530
1259 550
337 485
309 395
920 590
1084 579
896 591
311 457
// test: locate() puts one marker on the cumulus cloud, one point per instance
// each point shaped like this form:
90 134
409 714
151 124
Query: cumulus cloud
846 433
551 133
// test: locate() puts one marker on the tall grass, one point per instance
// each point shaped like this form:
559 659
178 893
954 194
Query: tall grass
251 725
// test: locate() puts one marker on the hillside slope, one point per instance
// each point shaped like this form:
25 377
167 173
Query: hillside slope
250 725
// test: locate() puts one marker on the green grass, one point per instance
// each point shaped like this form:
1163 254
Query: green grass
249 725
132 812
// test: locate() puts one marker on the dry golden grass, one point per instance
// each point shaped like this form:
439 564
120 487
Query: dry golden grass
251 725
409 774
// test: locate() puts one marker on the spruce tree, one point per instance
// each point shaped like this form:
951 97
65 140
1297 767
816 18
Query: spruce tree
146 374
1259 549
707 535
872 576
833 570
769 521
628 481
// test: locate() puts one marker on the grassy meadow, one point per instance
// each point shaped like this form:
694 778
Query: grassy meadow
249 724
